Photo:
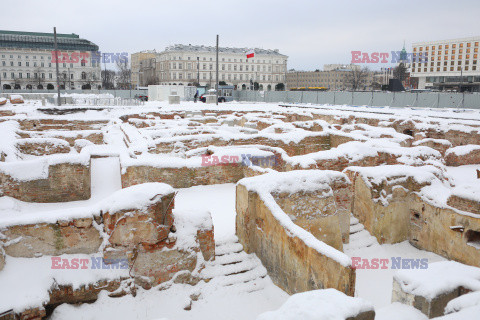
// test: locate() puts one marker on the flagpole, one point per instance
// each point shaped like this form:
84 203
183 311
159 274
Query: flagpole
216 71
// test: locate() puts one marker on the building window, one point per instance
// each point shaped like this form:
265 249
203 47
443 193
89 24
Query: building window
19 64
20 75
50 76
13 75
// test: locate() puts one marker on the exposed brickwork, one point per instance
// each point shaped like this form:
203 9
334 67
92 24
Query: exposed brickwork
65 182
291 263
464 204
182 177
42 148
455 160
52 238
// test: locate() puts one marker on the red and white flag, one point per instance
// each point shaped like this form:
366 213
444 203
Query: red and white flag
250 53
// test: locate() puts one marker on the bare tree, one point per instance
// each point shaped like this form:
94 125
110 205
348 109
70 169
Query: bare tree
400 72
357 78
124 74
108 79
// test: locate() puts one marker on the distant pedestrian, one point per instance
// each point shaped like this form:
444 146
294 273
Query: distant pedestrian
195 97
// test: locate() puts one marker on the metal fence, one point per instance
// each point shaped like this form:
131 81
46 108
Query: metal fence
96 101
375 99
115 93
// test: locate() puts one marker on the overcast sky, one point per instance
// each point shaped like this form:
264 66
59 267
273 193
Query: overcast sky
311 32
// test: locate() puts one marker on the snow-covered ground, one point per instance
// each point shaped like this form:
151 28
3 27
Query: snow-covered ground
218 302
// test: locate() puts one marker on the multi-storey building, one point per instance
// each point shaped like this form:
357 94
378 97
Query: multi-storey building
447 64
137 62
27 61
339 78
187 64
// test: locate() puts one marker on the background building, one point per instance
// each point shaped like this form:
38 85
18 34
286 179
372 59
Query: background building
450 64
136 59
187 64
26 61
333 77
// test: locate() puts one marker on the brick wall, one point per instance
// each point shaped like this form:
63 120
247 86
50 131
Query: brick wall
292 264
66 182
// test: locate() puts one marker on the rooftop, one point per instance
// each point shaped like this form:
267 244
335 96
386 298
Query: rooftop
193 48
40 40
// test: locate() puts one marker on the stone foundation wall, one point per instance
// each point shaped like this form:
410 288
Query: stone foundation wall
409 217
431 308
307 145
53 239
326 217
464 204
455 160
66 182
389 224
41 148
292 264
57 124
183 177
444 232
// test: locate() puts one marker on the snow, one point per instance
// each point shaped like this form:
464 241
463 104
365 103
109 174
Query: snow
216 302
130 146
23 287
292 182
398 311
465 301
328 304
187 222
8 134
131 198
464 179
463 150
219 200
380 294
426 282
16 97
38 168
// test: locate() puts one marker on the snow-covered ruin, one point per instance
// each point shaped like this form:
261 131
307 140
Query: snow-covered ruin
238 211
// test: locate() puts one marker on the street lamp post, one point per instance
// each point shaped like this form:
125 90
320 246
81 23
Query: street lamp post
198 71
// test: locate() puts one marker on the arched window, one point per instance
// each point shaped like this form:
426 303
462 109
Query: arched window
84 76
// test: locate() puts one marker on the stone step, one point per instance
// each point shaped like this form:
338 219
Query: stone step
362 243
359 235
353 220
356 228
225 241
231 258
228 280
251 286
228 248
217 270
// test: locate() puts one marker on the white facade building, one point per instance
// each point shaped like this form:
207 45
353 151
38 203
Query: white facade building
447 64
187 65
26 61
